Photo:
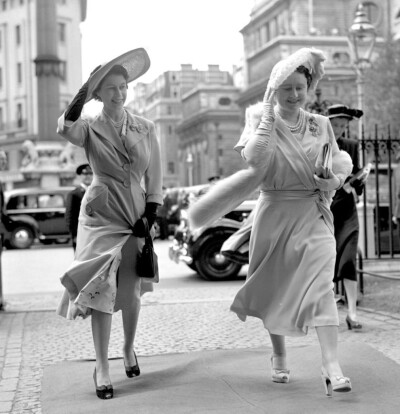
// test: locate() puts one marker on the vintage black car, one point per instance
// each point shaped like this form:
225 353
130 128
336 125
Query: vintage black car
201 249
35 213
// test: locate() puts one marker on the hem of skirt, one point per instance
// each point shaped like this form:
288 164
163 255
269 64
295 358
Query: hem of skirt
242 314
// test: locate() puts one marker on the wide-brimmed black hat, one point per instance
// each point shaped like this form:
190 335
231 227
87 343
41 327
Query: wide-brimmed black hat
343 111
136 62
83 168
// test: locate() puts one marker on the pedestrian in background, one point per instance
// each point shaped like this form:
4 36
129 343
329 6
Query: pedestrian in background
123 152
344 209
74 200
163 214
292 246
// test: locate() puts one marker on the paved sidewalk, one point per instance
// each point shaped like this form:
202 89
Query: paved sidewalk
172 321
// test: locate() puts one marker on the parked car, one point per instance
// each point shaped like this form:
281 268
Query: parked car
200 249
35 213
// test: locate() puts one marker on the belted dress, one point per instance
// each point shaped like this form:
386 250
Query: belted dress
292 245
126 174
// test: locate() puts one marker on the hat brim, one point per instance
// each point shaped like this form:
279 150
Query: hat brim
341 115
136 62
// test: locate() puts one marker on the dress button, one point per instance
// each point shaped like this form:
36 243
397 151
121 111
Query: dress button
126 183
89 210
126 167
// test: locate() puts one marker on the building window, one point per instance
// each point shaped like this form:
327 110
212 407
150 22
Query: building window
169 130
18 34
224 101
21 2
19 116
1 40
19 73
1 119
62 70
4 4
61 32
171 167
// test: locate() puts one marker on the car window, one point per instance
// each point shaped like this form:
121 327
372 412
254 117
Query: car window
51 200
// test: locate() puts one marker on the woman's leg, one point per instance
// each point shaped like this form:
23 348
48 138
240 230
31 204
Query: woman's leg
278 351
351 294
130 317
328 339
101 330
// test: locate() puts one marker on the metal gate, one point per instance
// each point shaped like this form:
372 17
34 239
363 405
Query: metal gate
380 194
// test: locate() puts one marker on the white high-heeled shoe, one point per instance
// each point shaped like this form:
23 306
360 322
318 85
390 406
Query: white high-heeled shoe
334 383
279 375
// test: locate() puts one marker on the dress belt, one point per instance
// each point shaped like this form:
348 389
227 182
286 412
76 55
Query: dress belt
288 195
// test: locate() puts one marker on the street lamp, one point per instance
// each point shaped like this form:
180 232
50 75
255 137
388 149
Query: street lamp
189 162
361 39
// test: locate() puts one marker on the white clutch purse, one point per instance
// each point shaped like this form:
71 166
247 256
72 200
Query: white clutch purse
323 165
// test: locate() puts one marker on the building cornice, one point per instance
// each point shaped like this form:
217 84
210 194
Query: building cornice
207 115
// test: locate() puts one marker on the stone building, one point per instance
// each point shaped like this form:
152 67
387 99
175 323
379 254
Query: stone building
40 71
208 132
277 28
181 102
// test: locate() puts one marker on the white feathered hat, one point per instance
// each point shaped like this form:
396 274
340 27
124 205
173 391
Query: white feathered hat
309 57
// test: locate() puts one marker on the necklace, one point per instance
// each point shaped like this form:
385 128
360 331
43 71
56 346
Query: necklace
117 124
298 128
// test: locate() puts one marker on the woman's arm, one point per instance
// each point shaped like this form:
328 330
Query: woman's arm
262 142
153 175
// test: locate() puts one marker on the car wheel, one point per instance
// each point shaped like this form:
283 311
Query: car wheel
22 237
211 264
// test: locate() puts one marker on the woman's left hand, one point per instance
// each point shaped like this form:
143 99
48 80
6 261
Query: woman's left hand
331 183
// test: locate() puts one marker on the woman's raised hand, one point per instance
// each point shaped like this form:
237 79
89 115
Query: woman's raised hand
331 183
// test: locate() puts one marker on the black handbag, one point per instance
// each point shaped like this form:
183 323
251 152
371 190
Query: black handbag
147 260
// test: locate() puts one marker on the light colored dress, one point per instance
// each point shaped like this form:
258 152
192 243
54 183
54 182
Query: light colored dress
102 275
292 247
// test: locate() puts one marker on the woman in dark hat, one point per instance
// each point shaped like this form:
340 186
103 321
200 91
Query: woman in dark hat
344 211
123 151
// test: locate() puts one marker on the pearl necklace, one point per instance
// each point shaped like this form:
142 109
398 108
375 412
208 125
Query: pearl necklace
298 128
117 124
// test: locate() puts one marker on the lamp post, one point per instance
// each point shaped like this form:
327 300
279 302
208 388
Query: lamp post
361 39
189 162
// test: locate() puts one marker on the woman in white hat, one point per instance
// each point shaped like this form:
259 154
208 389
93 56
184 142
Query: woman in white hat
345 211
123 151
292 246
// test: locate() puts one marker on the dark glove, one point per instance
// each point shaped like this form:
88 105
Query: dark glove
358 186
150 213
73 112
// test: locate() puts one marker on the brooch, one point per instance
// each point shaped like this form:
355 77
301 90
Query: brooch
138 127
313 126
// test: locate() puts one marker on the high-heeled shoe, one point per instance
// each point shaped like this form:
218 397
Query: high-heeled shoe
279 375
335 383
104 392
352 324
133 371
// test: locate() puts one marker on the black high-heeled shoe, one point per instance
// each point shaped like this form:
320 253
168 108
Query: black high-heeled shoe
352 324
133 371
104 392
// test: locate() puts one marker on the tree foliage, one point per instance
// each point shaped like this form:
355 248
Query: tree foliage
382 91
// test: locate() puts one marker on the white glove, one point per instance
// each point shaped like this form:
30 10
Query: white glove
268 115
